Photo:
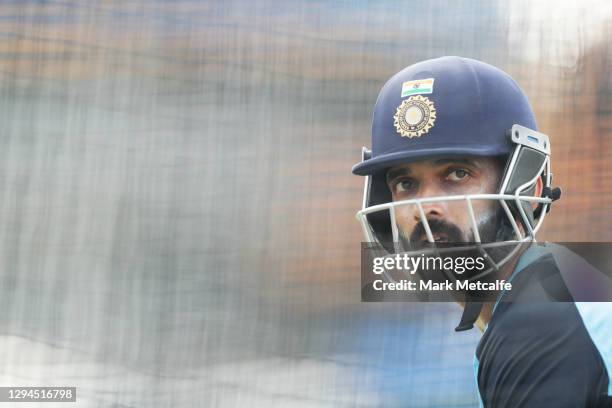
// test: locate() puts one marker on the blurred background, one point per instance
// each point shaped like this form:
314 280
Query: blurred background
177 207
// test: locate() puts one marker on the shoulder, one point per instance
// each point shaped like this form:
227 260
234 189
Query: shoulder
519 326
540 355
538 351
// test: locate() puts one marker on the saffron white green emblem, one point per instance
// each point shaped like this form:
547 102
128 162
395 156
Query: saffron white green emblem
417 87
415 116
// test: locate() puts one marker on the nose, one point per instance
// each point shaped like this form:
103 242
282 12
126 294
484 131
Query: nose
432 209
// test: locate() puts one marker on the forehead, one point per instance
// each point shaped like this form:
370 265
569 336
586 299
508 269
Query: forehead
489 164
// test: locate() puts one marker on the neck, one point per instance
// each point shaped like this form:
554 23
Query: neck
487 307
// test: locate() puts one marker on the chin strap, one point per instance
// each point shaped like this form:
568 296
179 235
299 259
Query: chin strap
471 311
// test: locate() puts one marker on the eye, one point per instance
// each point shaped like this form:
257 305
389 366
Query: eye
403 186
457 175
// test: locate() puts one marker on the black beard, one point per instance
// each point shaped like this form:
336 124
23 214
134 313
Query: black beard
460 244
495 229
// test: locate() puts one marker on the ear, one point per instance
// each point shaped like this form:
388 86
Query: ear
538 190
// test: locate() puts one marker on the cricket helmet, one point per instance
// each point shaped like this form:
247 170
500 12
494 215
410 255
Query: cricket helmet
453 106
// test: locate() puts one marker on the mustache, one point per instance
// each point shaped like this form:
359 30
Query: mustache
450 231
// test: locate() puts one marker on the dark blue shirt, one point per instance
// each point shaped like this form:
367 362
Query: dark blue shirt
542 349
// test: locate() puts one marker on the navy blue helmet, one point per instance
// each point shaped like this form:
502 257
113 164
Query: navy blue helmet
454 106
445 106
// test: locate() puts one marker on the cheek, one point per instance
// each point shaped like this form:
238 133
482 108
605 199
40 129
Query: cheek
459 216
404 217
485 211
491 181
484 208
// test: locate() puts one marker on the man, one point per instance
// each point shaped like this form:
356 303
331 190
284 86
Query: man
457 159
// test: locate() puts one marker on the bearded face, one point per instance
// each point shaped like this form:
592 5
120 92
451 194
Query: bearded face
449 221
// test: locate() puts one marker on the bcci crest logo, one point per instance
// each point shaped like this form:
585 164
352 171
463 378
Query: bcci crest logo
415 116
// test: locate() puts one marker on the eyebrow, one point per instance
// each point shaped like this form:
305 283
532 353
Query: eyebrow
402 171
394 173
469 162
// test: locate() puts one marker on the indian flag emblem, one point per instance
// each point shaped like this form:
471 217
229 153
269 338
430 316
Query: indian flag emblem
418 86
